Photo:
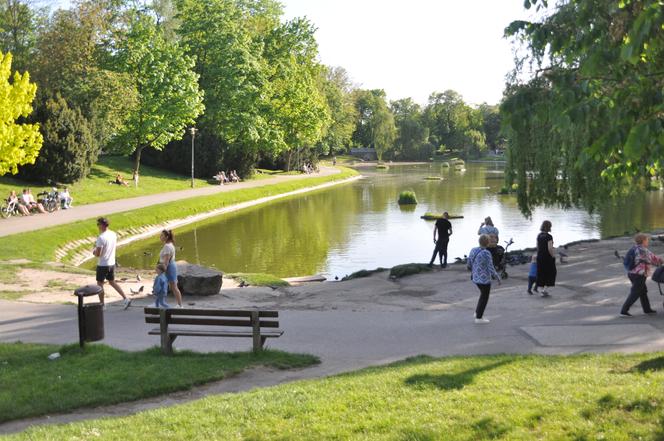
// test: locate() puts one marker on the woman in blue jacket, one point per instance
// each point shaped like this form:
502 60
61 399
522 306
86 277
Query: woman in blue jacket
480 263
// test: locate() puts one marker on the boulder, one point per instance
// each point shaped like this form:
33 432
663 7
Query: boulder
196 280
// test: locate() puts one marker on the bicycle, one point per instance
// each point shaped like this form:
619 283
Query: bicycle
8 209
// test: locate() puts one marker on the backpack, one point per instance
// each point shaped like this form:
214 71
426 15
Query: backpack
658 276
629 261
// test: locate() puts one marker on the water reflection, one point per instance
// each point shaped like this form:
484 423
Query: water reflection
359 225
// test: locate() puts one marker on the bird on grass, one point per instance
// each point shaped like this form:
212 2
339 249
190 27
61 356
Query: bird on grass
135 292
147 253
617 254
138 277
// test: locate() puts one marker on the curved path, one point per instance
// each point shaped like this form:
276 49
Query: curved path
16 225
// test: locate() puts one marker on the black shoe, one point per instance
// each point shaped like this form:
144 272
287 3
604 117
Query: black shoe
530 292
430 265
651 312
625 314
444 265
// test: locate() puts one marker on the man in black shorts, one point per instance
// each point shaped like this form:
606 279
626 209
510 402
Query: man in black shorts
105 251
444 230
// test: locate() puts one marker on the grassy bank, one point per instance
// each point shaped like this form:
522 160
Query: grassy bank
612 397
31 384
259 279
40 245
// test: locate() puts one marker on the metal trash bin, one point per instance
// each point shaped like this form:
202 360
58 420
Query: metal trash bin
90 315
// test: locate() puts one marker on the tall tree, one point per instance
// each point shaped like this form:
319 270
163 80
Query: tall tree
588 124
20 22
168 97
19 142
412 134
337 89
384 131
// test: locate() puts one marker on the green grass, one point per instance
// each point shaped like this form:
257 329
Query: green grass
514 398
408 269
382 167
407 198
259 279
433 178
31 384
61 285
95 188
40 246
12 295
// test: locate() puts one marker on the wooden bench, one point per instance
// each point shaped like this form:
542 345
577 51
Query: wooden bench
217 323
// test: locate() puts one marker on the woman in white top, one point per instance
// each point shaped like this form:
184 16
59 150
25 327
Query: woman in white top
489 229
167 257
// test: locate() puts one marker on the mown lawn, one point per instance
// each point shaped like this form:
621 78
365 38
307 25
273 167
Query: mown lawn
40 246
96 187
586 397
31 384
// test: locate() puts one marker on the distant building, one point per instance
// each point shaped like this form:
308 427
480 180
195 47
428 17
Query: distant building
366 153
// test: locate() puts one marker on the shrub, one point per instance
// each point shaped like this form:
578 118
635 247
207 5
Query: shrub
382 166
408 269
363 273
407 198
69 148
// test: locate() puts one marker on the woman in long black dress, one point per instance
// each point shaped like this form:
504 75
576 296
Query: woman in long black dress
546 260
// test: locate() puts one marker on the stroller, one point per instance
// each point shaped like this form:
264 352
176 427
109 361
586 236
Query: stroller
499 255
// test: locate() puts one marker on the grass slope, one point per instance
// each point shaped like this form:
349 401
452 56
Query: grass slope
40 246
31 384
259 279
95 188
583 397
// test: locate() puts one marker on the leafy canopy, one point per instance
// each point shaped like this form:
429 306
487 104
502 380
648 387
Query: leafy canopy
19 142
590 123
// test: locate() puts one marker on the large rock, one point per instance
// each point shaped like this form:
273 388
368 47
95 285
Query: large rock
196 280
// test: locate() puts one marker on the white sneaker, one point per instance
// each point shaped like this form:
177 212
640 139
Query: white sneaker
126 303
481 321
178 306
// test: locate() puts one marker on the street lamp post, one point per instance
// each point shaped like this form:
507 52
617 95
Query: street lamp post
193 131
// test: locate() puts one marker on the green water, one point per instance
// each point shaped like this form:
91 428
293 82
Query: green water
359 225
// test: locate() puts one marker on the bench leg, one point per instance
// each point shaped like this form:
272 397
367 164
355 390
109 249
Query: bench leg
263 342
167 344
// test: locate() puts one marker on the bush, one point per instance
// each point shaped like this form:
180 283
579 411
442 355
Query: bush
363 273
407 198
69 148
408 269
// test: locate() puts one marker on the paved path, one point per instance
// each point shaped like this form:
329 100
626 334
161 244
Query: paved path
16 225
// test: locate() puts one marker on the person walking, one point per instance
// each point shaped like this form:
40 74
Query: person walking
532 274
105 251
167 258
480 263
443 229
546 260
160 287
642 261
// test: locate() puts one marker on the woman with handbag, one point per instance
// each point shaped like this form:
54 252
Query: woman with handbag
640 267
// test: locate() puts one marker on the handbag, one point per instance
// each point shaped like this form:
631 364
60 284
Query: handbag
658 277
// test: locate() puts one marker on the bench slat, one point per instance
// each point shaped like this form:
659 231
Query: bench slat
212 322
212 312
202 333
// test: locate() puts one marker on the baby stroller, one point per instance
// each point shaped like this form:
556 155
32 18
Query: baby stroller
499 255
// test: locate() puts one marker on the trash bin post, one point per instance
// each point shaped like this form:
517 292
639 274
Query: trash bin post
90 317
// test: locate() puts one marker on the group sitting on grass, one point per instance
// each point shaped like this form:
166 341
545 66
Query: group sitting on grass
26 204
223 178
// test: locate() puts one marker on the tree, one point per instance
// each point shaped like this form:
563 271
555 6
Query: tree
448 118
69 148
588 125
384 131
19 142
19 26
168 98
412 134
337 89
491 126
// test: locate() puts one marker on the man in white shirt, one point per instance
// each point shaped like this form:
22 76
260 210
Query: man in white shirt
105 251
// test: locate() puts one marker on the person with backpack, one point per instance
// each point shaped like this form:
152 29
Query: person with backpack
638 263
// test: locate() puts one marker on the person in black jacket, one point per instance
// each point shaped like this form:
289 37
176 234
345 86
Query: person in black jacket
443 229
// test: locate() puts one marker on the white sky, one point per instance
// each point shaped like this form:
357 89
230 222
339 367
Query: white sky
411 48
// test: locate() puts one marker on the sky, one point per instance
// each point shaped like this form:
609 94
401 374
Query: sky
411 48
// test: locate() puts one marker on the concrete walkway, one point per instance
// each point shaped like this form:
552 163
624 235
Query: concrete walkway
373 321
16 225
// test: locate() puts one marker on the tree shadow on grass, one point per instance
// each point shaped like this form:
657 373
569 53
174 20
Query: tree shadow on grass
451 381
654 364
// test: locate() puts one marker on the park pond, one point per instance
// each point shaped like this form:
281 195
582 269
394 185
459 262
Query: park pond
359 225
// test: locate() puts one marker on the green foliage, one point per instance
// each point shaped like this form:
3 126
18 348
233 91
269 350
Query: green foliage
69 148
19 142
167 89
363 273
407 198
375 124
259 279
588 125
413 134
336 87
408 269
101 375
19 26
